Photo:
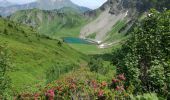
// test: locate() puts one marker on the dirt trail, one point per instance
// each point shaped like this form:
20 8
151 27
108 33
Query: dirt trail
102 25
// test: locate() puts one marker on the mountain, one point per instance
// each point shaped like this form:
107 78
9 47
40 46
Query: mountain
33 54
42 4
59 23
55 4
117 15
6 11
5 3
111 17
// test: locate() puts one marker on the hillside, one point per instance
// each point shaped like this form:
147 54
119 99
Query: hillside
32 55
57 23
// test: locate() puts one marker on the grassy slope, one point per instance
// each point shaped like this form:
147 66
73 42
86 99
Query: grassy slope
114 34
32 55
64 22
92 49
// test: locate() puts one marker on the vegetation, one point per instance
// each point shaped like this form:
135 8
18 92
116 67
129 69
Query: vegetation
82 84
96 65
5 82
54 72
38 66
33 54
92 49
92 36
114 34
147 4
144 59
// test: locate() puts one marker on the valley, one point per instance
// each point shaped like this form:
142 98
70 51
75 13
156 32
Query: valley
58 50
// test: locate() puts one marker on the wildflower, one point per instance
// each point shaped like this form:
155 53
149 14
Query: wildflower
36 96
118 88
100 93
94 84
103 84
122 88
121 77
50 94
115 80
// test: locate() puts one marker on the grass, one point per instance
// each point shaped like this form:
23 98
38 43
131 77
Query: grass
32 55
114 34
92 49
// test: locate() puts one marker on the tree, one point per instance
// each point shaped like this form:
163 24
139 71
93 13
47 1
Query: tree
147 53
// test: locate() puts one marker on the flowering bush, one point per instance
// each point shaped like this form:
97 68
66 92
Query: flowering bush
74 88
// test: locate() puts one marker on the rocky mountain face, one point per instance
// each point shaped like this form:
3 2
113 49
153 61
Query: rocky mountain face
111 13
43 5
116 6
114 11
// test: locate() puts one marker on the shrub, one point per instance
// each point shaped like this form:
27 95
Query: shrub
147 96
77 88
96 65
57 70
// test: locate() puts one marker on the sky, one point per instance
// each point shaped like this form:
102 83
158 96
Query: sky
93 4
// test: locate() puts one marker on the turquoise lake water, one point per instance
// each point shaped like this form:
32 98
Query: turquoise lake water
75 40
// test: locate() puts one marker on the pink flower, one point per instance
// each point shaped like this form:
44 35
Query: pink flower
36 96
104 84
115 80
100 93
94 84
50 94
121 77
120 88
